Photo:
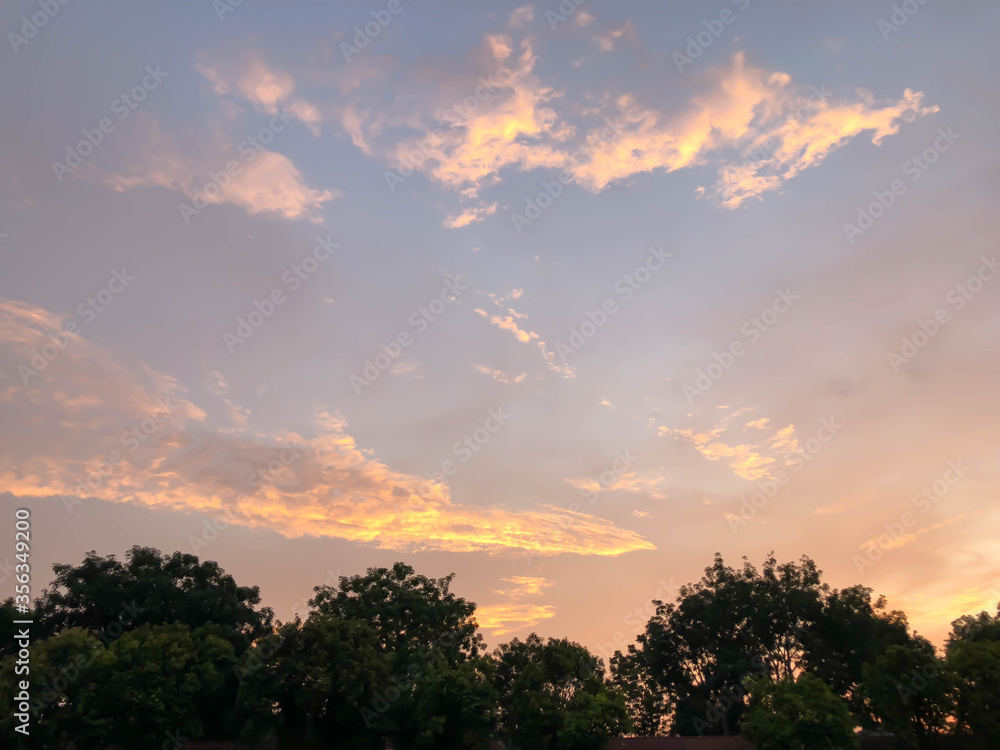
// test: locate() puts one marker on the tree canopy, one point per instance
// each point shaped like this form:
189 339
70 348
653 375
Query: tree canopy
133 650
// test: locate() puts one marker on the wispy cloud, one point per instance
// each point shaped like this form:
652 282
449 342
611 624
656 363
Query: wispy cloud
516 614
71 416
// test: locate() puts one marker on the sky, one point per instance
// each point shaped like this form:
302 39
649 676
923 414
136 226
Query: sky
563 298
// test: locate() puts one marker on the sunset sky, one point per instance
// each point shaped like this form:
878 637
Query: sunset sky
561 298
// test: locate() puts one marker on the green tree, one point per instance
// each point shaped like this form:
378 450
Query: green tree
647 703
973 656
133 691
911 692
411 614
61 687
553 696
437 694
313 684
854 629
798 714
731 624
108 595
775 622
981 627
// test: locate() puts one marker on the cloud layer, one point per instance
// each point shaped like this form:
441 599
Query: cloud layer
93 427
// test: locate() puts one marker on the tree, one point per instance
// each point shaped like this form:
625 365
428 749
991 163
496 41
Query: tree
109 596
981 627
647 703
410 613
775 623
133 691
438 694
731 624
553 696
910 691
853 630
973 656
60 678
798 714
313 684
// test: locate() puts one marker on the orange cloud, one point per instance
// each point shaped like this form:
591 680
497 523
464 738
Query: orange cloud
501 619
266 183
748 461
73 420
508 324
499 375
268 90
755 126
516 614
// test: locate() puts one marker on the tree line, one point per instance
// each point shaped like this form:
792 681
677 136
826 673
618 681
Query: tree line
156 648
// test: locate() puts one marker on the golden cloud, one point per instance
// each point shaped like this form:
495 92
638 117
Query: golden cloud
747 460
755 126
82 424
266 182
516 614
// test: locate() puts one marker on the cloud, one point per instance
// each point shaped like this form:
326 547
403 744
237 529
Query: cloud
733 520
499 375
753 124
525 586
74 418
755 128
749 461
631 481
469 215
521 17
501 619
406 367
267 182
509 324
887 542
802 133
249 77
516 614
